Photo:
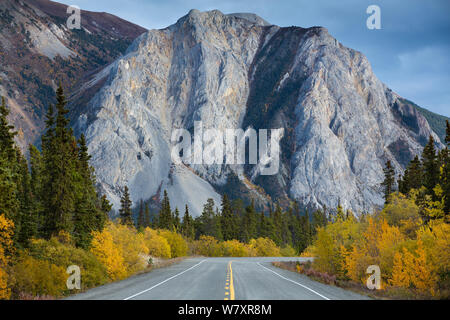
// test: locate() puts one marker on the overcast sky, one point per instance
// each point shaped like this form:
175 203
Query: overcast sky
411 52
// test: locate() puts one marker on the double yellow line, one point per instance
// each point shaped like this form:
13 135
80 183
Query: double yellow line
229 287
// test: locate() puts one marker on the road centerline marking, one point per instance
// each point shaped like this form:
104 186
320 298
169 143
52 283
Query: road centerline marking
168 279
301 285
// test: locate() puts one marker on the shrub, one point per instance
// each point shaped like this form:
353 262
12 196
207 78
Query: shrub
157 245
37 277
178 246
264 247
208 246
93 272
105 250
233 248
288 251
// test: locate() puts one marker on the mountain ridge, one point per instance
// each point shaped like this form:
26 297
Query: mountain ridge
342 123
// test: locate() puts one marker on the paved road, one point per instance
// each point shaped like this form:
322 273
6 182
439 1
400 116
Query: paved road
220 279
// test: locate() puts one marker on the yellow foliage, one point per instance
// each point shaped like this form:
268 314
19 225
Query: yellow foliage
208 246
264 247
234 248
288 251
38 277
414 270
178 246
330 242
131 246
157 245
6 249
108 254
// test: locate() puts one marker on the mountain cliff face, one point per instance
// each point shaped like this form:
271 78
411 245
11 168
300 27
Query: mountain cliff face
37 51
340 122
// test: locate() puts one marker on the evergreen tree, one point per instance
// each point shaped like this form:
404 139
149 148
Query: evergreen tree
340 215
389 181
147 219
447 137
88 215
209 222
176 220
60 157
249 226
187 226
430 166
165 218
446 173
9 203
125 212
105 205
28 216
141 216
229 226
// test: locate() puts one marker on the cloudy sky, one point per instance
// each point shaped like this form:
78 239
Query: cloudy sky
410 53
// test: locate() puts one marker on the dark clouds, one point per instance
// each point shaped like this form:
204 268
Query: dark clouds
411 53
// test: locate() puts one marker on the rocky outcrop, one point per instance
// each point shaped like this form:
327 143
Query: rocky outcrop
238 71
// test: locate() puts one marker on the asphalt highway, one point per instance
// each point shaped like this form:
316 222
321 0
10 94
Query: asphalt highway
219 279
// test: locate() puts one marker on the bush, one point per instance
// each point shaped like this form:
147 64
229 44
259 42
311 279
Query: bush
234 248
264 247
288 251
157 245
37 277
178 246
93 272
207 246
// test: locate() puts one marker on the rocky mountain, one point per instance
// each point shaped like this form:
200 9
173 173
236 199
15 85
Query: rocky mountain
37 51
340 122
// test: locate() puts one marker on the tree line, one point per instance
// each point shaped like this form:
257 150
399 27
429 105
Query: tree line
55 191
427 177
232 221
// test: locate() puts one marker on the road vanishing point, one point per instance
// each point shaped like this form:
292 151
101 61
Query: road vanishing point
219 279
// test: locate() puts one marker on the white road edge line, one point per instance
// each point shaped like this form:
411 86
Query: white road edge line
301 285
156 285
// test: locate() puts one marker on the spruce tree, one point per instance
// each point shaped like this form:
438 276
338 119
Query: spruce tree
147 219
60 157
228 220
88 215
9 202
176 220
389 181
430 166
141 216
187 226
125 213
165 219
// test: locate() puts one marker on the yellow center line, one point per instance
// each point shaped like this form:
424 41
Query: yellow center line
231 282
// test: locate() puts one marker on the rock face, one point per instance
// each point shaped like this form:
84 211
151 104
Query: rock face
37 51
341 123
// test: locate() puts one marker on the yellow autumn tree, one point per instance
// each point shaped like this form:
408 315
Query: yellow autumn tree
131 246
156 244
178 246
332 244
264 247
414 270
6 249
377 246
108 254
208 246
234 248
